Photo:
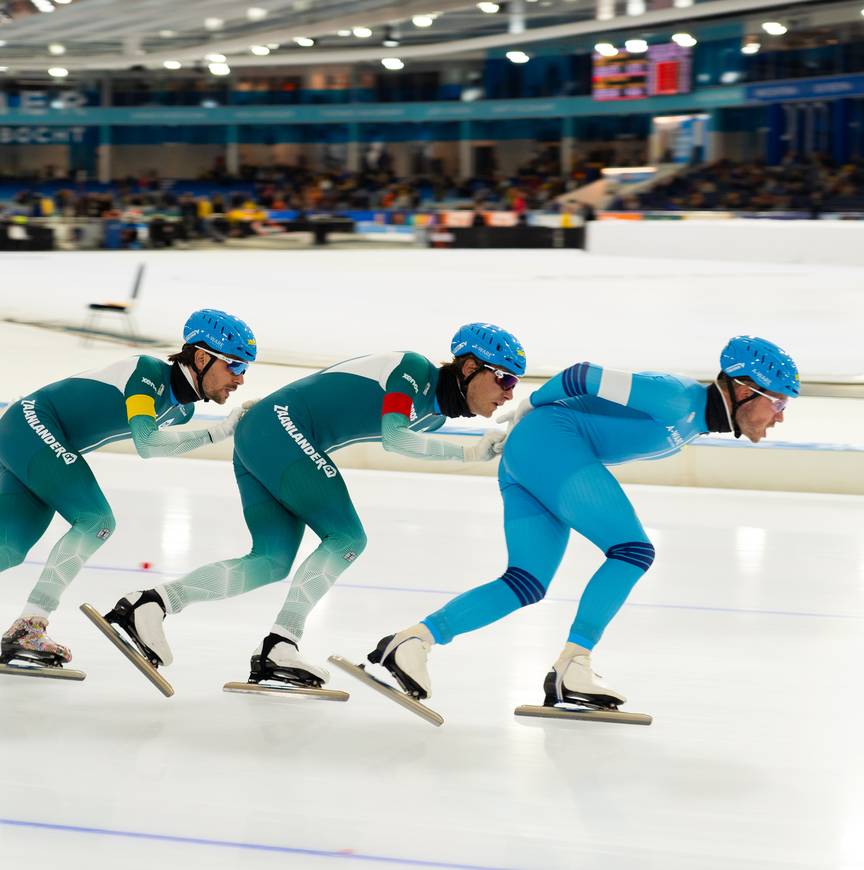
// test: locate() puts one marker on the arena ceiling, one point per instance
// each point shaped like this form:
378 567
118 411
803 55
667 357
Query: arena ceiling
127 34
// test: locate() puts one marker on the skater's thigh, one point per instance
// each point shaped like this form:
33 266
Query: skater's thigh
275 530
23 516
592 502
536 538
70 489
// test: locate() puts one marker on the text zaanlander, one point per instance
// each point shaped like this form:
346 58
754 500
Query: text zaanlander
45 435
288 425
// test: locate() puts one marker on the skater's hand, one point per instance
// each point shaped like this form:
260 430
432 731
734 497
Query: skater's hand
514 415
489 446
226 428
249 403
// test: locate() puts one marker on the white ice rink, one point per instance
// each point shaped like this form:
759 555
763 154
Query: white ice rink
745 640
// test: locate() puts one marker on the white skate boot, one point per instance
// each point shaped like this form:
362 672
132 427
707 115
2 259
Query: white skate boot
572 681
405 655
278 658
140 616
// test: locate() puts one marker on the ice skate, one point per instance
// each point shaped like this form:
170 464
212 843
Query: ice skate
27 651
574 691
278 669
404 655
139 615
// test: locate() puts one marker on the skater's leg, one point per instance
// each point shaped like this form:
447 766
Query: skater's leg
536 541
325 505
276 535
593 503
23 519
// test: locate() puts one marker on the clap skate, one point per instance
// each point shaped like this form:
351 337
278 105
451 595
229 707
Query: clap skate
404 656
573 691
27 651
140 616
277 669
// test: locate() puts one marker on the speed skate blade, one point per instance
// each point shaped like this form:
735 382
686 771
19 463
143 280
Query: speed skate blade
618 716
297 691
406 701
49 673
128 650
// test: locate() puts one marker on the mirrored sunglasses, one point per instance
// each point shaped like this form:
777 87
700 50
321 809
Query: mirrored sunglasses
235 366
778 404
505 380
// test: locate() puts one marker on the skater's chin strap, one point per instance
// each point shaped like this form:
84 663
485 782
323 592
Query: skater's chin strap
452 389
711 409
183 384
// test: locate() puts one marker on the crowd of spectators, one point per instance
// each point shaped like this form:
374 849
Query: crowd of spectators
810 185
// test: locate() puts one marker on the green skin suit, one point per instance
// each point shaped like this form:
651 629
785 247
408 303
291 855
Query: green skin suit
288 481
43 439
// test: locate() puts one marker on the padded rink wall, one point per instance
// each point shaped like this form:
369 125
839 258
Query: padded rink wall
822 242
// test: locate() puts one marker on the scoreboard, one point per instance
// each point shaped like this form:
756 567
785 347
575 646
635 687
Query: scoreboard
663 69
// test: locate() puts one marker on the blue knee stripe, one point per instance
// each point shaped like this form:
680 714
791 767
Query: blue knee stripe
638 553
573 379
526 587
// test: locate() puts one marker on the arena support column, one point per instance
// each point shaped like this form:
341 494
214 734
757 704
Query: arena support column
352 152
466 149
104 154
232 151
565 155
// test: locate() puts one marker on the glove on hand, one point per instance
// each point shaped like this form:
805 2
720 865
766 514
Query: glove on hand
514 415
226 428
489 446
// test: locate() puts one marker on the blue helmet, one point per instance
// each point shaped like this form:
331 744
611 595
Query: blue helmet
490 344
221 332
747 356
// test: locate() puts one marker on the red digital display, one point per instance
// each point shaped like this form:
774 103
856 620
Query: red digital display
663 70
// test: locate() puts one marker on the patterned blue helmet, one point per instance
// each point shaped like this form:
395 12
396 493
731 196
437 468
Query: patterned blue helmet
490 344
221 332
747 356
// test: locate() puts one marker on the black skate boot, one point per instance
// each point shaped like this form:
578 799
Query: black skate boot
278 659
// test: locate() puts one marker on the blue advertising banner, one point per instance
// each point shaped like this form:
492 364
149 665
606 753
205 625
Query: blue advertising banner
826 88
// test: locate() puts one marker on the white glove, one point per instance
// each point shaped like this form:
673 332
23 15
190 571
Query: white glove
249 403
514 415
226 428
489 446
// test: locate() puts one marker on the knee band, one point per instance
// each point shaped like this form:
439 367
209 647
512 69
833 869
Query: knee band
574 379
526 587
638 553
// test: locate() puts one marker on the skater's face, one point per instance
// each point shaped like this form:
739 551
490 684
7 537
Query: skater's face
486 393
760 414
219 380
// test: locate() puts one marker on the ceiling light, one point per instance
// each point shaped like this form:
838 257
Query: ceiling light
488 7
422 20
3 41
58 72
259 50
62 2
606 49
682 4
685 40
273 45
774 28
517 57
56 48
343 32
43 5
392 63
304 41
172 64
636 46
751 48
215 58
213 23
219 69
256 13
167 34
4 69
390 42
362 32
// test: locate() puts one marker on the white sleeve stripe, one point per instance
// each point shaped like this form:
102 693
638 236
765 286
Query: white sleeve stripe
615 386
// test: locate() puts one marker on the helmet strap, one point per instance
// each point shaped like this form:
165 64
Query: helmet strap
200 376
730 394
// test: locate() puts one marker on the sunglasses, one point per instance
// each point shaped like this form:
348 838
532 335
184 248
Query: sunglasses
779 405
235 366
505 380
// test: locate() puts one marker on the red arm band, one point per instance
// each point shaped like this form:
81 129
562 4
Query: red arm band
397 403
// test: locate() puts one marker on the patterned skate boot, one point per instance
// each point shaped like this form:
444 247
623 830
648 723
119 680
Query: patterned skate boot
26 650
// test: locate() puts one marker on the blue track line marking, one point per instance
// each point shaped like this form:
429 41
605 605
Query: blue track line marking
703 607
232 844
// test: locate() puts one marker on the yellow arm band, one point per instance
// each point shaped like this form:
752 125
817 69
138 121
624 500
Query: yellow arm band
138 406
